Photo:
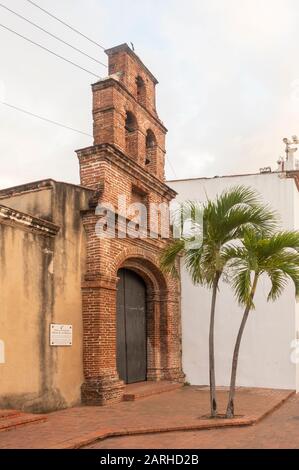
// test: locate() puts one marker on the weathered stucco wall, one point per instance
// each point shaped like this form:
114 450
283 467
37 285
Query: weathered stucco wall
69 268
266 346
26 299
35 199
40 283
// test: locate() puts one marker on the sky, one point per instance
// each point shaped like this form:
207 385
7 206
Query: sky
228 74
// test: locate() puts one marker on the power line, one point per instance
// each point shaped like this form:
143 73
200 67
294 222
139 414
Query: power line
44 119
66 24
50 34
48 50
170 164
59 124
60 57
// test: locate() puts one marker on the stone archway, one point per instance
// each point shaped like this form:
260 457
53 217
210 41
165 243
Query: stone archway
102 381
157 309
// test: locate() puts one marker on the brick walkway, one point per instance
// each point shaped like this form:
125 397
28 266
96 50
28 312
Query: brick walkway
279 430
183 408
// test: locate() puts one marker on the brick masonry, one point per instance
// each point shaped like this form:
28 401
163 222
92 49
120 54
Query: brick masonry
127 158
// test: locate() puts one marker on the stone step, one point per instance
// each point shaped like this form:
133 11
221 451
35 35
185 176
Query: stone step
146 389
5 414
11 420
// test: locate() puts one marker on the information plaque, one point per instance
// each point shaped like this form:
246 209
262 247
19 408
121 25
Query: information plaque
61 335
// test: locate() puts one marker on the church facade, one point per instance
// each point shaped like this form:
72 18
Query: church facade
56 270
84 306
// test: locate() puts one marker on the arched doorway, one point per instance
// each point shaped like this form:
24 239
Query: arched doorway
131 327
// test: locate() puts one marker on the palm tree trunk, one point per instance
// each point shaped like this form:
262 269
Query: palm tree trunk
213 401
230 406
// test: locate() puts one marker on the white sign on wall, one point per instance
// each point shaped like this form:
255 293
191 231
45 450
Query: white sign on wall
2 352
61 335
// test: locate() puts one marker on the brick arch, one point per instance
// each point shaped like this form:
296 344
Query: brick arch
141 90
162 312
131 133
146 265
151 151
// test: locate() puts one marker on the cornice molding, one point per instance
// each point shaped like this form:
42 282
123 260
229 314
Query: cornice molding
116 157
27 222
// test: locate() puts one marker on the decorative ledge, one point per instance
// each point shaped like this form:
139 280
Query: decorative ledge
115 156
27 222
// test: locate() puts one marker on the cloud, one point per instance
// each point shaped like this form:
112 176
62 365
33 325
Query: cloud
228 74
233 64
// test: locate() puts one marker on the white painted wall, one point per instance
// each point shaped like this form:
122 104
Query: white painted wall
266 346
295 351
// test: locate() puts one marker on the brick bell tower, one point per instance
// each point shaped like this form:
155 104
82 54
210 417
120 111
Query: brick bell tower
127 159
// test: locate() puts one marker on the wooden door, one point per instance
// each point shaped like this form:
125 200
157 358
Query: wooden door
131 327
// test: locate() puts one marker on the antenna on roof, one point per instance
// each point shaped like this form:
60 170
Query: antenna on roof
266 169
290 163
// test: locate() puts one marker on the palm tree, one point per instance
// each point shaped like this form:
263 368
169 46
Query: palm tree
223 220
275 256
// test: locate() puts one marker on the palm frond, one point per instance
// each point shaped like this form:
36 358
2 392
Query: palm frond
280 241
277 256
195 266
278 284
188 212
242 285
281 268
260 218
236 210
207 247
236 196
169 257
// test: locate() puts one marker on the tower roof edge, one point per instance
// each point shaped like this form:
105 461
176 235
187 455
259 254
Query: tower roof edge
125 48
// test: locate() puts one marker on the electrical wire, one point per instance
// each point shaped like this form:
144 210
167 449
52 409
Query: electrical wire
50 34
44 119
170 164
64 126
48 50
60 57
66 24
24 111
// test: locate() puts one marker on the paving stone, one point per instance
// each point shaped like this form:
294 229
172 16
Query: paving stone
179 409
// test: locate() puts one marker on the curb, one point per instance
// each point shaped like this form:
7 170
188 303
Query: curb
133 396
